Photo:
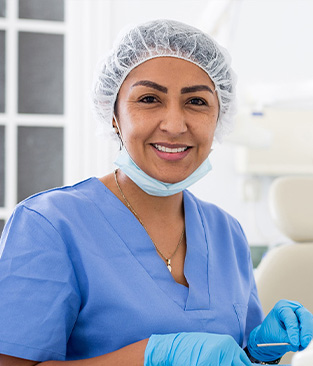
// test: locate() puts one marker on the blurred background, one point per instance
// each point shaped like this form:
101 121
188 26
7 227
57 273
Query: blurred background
48 53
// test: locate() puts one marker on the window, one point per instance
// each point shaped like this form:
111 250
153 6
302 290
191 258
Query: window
48 52
2 172
41 9
32 99
2 8
2 70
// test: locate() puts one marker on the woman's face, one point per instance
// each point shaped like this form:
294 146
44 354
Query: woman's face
167 111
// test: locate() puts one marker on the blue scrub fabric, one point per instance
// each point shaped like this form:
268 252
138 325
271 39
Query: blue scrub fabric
80 277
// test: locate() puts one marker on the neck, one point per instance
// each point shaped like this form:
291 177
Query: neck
162 218
167 207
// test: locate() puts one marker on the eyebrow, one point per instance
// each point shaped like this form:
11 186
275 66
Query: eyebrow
195 88
163 89
151 84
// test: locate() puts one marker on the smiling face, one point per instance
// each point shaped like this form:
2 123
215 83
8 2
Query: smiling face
167 111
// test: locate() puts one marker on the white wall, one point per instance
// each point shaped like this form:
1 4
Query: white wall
270 41
273 41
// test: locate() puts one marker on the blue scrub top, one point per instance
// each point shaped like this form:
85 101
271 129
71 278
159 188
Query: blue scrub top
80 277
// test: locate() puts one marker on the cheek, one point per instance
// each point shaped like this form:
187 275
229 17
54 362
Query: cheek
205 131
128 121
134 128
139 123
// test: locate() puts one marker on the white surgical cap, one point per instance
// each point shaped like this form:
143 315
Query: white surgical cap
164 38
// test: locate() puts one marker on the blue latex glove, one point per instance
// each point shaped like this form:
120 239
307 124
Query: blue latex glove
194 349
288 322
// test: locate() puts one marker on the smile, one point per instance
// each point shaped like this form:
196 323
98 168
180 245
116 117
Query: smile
170 150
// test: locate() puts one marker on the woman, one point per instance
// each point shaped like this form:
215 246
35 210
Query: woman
132 269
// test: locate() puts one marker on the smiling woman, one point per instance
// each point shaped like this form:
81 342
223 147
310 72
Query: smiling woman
165 39
174 109
132 269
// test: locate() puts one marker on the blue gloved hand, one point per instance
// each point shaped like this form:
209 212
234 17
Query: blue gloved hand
194 349
287 322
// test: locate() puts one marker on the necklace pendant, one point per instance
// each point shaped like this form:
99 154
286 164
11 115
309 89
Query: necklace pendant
169 267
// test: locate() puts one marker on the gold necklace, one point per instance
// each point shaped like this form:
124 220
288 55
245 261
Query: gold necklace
167 260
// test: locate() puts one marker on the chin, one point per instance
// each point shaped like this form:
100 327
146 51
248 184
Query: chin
170 178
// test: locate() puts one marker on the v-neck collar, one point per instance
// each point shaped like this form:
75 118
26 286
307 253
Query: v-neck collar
135 237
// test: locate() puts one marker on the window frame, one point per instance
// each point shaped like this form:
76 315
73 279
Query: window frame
87 36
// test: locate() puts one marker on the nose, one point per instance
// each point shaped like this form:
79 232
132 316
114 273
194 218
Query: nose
174 120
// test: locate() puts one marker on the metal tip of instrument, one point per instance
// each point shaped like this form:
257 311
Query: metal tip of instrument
273 344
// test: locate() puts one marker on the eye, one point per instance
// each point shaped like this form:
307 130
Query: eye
149 99
197 101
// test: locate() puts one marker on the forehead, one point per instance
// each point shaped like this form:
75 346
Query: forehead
169 71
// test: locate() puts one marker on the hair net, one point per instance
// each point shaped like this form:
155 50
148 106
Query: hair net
161 38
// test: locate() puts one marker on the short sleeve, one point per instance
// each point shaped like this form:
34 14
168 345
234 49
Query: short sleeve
255 313
39 294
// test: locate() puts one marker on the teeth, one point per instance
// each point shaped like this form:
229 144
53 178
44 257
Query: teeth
169 150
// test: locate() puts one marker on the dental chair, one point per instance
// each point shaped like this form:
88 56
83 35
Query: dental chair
286 271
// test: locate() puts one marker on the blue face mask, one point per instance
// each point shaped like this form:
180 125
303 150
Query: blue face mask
153 186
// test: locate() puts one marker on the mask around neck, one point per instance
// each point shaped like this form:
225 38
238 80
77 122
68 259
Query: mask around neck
153 186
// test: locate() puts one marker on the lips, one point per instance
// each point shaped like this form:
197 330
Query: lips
174 149
171 152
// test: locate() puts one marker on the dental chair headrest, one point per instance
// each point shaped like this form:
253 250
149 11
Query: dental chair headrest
291 205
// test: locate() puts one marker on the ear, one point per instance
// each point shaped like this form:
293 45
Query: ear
113 123
115 126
